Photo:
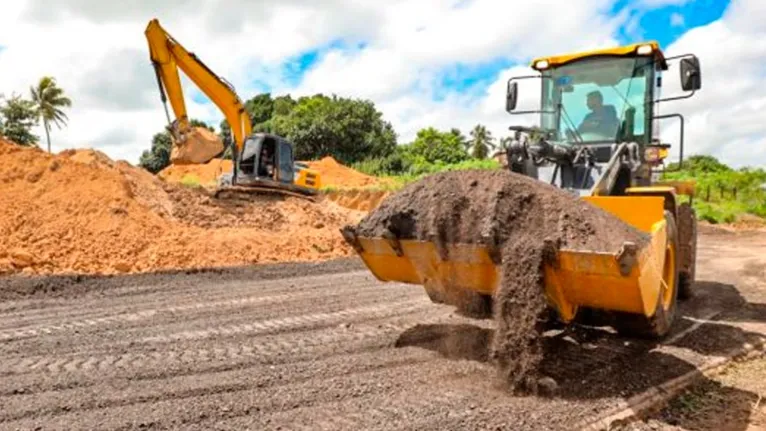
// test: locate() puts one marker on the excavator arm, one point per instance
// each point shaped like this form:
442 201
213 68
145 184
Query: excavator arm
167 56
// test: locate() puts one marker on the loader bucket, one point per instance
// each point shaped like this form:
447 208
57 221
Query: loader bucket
627 279
197 146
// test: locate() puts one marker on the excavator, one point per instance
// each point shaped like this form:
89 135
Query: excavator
597 138
262 162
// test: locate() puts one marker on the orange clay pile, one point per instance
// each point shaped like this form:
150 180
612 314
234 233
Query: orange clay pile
204 174
80 212
340 176
334 174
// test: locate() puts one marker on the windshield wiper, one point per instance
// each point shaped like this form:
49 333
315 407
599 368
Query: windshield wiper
571 126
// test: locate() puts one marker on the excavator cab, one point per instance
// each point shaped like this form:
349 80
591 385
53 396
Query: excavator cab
267 162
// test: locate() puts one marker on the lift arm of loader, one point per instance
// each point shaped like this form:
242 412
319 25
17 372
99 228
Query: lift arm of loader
167 55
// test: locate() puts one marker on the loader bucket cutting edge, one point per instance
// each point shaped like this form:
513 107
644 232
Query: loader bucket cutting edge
615 281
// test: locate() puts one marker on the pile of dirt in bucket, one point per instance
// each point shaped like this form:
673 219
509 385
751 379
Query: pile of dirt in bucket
525 219
80 212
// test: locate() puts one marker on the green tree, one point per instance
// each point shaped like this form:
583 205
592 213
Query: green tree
433 146
464 142
260 108
157 157
698 164
283 105
49 101
481 142
350 130
18 119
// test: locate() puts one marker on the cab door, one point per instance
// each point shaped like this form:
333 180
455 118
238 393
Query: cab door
286 172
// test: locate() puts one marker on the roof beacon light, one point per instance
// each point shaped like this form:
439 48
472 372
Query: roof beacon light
644 50
542 64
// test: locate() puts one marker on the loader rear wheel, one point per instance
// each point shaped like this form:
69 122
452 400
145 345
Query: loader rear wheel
687 250
659 324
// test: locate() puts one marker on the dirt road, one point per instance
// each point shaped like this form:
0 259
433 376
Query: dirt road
325 346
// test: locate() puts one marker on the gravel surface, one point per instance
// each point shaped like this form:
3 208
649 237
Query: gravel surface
325 347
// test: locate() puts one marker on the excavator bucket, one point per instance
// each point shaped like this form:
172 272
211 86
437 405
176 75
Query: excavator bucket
197 146
627 279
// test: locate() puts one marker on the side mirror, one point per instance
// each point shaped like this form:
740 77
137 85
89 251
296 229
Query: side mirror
511 96
691 78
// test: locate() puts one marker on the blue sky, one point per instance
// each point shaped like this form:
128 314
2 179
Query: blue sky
427 63
664 24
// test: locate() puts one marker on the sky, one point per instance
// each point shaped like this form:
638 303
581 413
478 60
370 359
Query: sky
441 63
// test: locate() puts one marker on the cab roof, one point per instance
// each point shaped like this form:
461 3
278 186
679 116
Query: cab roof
621 51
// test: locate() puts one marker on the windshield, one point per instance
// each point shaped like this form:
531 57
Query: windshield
589 100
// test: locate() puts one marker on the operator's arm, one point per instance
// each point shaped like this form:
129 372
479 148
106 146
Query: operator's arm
168 55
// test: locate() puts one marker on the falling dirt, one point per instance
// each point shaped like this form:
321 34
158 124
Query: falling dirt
80 212
523 220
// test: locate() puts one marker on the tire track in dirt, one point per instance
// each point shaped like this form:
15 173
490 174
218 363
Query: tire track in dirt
169 312
342 352
220 293
273 343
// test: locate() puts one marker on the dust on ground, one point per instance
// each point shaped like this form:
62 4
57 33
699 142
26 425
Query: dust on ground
524 220
80 212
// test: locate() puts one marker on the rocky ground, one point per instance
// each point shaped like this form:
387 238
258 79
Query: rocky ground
325 346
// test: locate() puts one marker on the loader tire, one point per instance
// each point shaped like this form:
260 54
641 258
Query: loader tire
659 324
687 250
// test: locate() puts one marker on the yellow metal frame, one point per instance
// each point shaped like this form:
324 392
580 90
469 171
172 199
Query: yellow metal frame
576 278
626 50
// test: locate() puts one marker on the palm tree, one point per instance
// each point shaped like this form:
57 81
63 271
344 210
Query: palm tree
482 141
49 99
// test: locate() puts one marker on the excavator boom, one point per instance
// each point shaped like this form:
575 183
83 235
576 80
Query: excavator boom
167 56
263 163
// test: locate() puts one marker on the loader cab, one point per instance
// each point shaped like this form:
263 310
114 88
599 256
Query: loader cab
600 99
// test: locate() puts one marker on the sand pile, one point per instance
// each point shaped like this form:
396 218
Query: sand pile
518 214
204 174
81 212
340 176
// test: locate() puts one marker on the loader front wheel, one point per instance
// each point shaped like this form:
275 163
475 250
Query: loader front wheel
659 323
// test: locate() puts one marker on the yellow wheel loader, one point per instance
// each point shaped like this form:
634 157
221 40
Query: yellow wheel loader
262 162
599 121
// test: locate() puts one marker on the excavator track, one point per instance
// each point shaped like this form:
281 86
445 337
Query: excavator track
248 193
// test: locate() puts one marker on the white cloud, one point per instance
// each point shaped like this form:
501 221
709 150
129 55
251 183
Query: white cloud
725 118
99 55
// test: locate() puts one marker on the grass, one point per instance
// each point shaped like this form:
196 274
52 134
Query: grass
725 195
190 180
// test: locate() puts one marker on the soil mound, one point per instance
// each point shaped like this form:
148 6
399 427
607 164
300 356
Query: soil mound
80 212
361 200
340 176
203 174
524 218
